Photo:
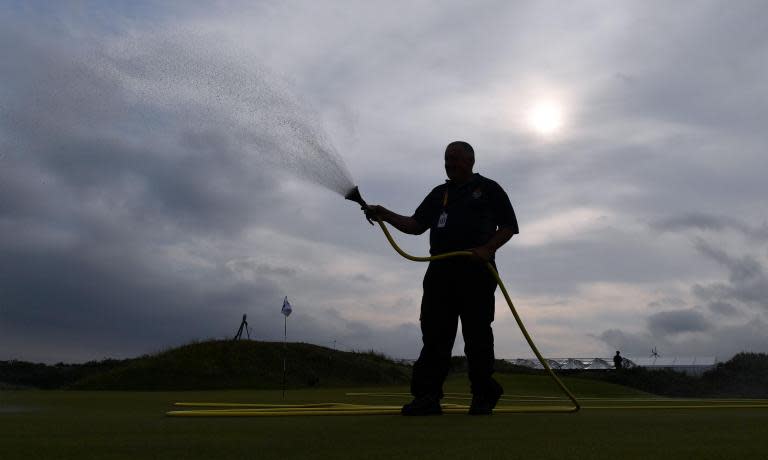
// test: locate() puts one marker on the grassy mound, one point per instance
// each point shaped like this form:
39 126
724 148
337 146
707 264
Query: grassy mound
247 364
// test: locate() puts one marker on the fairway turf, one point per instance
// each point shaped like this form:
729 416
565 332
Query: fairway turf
121 425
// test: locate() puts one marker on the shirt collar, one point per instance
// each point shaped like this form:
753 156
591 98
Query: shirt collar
473 179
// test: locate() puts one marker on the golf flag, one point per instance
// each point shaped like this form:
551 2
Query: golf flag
286 310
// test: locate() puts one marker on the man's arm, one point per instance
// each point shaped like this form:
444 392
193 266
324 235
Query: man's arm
486 251
403 223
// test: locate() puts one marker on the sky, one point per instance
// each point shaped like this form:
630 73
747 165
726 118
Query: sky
166 167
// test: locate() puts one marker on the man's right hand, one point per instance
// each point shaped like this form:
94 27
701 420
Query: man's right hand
403 223
374 212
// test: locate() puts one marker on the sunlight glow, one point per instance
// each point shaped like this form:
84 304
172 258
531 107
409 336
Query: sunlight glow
546 118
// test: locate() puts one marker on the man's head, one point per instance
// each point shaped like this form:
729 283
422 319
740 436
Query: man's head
459 159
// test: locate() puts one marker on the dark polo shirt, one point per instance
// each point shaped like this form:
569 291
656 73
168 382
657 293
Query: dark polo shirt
473 212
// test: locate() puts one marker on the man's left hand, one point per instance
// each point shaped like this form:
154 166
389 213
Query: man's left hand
482 253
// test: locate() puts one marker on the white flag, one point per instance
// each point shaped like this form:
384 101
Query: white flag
286 310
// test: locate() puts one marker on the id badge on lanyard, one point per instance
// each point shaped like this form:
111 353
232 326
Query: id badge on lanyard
444 216
442 219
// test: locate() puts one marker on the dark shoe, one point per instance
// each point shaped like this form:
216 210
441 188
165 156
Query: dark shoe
423 405
483 404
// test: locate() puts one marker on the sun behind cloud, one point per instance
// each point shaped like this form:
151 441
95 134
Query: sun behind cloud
546 117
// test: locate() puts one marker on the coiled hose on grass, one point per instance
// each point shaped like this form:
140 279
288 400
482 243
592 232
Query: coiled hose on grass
282 410
576 405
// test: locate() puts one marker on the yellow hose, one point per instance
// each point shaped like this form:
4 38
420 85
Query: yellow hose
283 410
318 409
344 409
576 405
288 410
269 410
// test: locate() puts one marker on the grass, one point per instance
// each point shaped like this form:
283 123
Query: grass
121 425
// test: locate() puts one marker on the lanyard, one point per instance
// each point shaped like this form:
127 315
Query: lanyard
445 200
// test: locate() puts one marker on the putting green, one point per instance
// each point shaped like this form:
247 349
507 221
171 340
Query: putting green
266 410
285 410
76 425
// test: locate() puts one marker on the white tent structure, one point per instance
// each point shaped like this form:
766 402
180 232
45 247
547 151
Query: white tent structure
599 364
687 365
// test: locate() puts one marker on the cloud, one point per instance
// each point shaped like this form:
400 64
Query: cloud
629 343
722 343
667 302
155 173
747 280
126 170
562 225
677 321
112 299
710 222
723 308
718 327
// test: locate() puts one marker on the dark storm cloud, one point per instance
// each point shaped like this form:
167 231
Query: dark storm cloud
723 308
124 154
723 343
677 321
710 222
399 341
629 343
113 295
77 136
104 196
747 280
667 302
600 254
90 202
255 268
742 295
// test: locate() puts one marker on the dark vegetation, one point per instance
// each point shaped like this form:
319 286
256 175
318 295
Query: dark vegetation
459 365
259 365
21 374
214 365
744 376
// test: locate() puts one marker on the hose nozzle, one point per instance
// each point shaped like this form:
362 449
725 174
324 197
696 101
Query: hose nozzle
354 195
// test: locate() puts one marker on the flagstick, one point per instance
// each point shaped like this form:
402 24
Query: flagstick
285 349
286 310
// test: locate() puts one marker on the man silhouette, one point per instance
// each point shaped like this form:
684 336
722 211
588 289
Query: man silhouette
618 361
467 212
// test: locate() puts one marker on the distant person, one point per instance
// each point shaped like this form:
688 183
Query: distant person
618 361
467 212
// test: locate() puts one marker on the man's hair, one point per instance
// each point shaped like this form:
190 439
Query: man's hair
464 146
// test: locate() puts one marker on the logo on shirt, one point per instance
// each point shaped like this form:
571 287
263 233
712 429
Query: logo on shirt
477 193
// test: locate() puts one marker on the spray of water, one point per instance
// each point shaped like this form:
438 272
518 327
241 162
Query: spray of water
214 88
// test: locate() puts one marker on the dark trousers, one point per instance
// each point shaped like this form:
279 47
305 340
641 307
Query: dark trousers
456 289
